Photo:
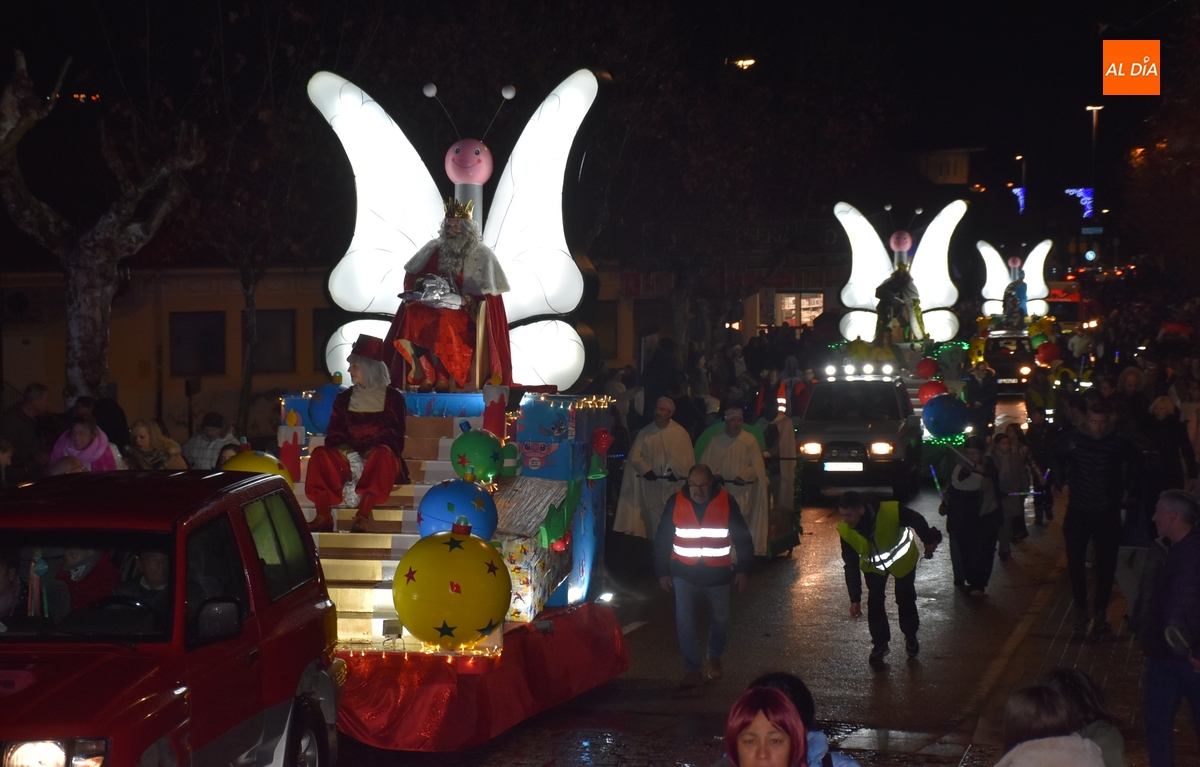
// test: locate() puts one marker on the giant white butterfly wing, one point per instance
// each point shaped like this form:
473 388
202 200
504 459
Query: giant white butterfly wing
869 262
1035 266
524 225
546 352
997 278
399 206
931 263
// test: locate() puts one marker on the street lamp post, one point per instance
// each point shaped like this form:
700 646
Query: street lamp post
1095 110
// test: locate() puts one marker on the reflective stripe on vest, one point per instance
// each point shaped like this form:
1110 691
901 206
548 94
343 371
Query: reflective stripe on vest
894 550
708 543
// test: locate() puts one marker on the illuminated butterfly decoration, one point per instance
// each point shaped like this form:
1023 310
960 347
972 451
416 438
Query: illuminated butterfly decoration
871 265
400 209
999 276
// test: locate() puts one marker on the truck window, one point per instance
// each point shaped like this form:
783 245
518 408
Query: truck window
214 569
854 401
283 555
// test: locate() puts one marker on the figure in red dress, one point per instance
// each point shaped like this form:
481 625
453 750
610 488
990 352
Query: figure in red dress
435 332
362 457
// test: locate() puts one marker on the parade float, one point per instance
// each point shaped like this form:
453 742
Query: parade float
472 603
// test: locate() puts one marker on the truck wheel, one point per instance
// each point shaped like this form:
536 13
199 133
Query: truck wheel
307 745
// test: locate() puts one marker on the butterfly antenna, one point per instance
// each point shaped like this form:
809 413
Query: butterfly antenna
916 213
507 92
430 91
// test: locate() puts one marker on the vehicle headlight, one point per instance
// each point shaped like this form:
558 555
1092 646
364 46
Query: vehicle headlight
811 448
830 370
36 753
1026 370
887 370
868 369
882 448
53 753
849 370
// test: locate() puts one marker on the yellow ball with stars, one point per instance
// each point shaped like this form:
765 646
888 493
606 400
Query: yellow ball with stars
257 462
452 589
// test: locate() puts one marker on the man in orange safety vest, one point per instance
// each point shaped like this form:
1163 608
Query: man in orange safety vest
701 547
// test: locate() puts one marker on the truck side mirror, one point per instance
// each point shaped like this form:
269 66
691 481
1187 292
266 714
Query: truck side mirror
219 619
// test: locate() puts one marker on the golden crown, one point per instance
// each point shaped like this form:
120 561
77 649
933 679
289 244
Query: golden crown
456 209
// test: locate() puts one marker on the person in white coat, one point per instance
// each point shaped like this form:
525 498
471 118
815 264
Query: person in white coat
736 460
780 459
661 450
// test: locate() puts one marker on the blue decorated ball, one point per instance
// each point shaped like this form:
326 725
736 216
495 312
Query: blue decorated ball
453 498
320 407
945 415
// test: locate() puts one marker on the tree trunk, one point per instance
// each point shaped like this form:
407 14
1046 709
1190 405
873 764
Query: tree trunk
249 348
91 284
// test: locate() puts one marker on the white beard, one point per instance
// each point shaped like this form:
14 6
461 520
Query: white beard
452 257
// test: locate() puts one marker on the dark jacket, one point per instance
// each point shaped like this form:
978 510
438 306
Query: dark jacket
1169 597
701 574
1041 438
984 392
1169 450
1098 471
866 528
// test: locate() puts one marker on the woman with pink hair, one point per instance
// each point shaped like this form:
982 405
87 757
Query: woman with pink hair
764 729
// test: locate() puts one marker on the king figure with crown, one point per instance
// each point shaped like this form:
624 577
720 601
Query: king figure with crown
451 331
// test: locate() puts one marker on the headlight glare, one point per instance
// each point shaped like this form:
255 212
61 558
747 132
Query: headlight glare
36 753
811 448
830 370
1026 370
887 370
849 370
882 448
868 369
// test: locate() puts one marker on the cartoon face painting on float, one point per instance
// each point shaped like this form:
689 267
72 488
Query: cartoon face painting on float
462 263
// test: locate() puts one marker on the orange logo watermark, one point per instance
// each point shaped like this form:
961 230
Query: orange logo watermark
1131 68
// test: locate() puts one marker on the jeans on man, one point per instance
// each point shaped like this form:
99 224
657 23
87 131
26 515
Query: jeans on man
906 605
1080 527
1167 683
686 597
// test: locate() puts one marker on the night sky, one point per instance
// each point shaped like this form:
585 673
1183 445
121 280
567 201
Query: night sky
1007 77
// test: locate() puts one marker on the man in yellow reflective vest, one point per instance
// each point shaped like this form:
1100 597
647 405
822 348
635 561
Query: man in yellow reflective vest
694 547
878 544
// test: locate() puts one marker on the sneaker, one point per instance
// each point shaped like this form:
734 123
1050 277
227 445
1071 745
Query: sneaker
715 669
691 679
976 592
878 653
912 646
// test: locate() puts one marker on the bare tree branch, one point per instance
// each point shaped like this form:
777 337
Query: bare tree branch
20 108
32 216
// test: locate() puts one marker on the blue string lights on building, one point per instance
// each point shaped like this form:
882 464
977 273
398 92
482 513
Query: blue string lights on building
1085 199
1020 193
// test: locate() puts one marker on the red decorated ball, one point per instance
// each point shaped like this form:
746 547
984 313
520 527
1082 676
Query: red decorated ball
1048 352
927 368
930 389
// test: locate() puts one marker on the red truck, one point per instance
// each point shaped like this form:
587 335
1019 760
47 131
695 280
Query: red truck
164 618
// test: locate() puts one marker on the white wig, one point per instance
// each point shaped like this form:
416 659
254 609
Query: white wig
374 373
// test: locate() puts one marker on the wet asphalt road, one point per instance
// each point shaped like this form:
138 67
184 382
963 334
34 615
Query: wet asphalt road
793 617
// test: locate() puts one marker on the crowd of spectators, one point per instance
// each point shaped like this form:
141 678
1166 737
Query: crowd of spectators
94 435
